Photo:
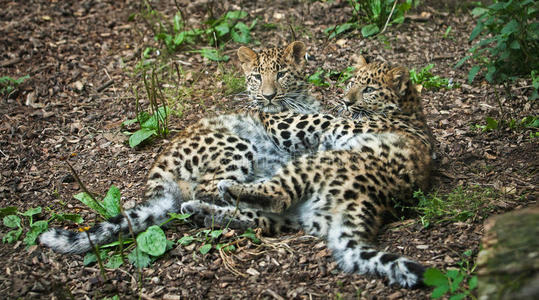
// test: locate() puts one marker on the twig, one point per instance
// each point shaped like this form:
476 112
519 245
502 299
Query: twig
105 85
390 14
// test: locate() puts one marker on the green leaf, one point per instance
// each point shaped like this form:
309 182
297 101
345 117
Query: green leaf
91 203
140 136
212 54
216 233
75 218
9 210
32 211
236 14
476 31
479 11
177 23
249 233
456 281
369 30
12 236
473 72
152 241
186 240
222 29
458 296
491 124
112 201
462 60
12 221
439 291
472 283
515 45
176 216
226 248
114 262
510 27
35 230
435 277
139 259
205 248
241 33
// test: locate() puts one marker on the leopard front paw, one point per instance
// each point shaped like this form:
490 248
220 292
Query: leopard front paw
224 190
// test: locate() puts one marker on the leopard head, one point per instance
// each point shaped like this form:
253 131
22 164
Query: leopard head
380 88
275 78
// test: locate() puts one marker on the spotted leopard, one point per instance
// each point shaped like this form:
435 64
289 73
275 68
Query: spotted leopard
235 147
362 167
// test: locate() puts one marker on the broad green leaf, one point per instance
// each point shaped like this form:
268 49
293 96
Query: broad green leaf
241 33
473 72
111 202
205 248
510 27
369 30
491 123
456 281
226 248
152 241
114 262
9 210
32 211
222 29
458 296
434 277
439 291
216 233
75 218
176 216
139 259
453 273
179 39
12 221
12 236
237 14
491 70
472 283
35 230
213 54
140 136
479 11
91 203
515 45
186 240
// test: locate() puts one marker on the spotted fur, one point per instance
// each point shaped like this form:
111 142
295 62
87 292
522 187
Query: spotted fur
236 147
361 168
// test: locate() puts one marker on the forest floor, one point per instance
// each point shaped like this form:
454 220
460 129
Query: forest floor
82 56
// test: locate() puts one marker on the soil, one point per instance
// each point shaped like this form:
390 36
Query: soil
80 56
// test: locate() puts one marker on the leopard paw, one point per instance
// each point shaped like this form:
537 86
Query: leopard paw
224 190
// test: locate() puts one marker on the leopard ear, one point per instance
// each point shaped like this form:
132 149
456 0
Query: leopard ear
295 52
359 61
247 57
398 78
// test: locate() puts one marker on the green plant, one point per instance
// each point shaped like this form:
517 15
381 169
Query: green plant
529 122
213 239
459 205
535 84
447 32
9 85
320 77
429 81
509 40
12 219
375 15
459 283
214 31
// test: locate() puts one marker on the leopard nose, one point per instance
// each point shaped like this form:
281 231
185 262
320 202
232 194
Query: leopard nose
269 96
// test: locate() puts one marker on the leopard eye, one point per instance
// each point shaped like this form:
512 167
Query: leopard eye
369 89
280 75
257 77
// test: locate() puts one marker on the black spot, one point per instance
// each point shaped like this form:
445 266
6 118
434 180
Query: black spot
367 149
218 135
316 178
316 225
388 257
231 168
361 178
195 160
302 124
244 170
287 144
406 178
349 195
334 192
149 220
325 124
366 255
186 151
156 176
316 121
231 139
208 140
285 134
193 145
249 214
241 146
188 166
301 135
283 126
116 219
225 161
249 155
133 215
